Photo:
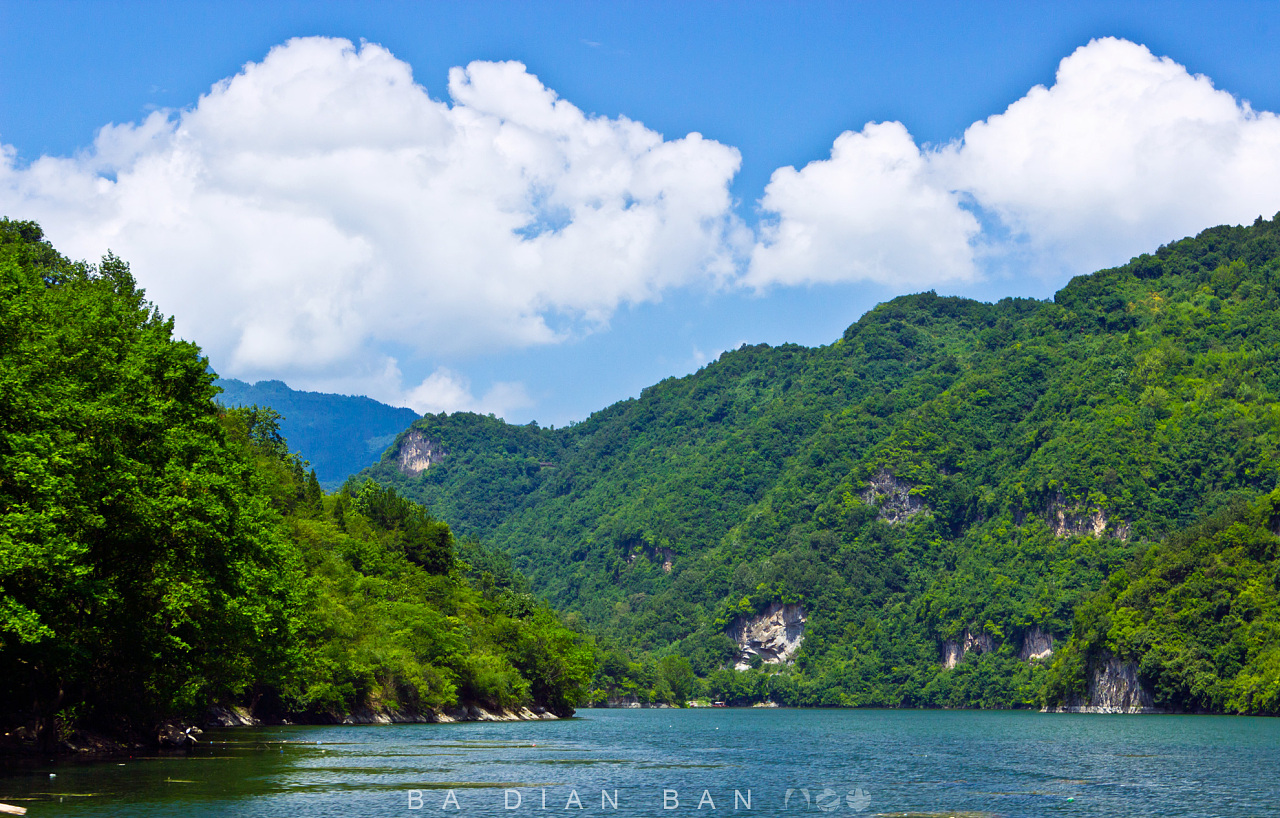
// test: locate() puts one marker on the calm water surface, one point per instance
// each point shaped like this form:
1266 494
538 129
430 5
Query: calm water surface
842 762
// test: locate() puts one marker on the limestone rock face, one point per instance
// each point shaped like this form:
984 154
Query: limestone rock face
418 453
774 634
953 652
1114 687
893 496
1036 646
1089 521
668 559
459 712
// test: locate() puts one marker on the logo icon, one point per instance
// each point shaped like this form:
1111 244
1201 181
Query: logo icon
828 799
858 799
787 802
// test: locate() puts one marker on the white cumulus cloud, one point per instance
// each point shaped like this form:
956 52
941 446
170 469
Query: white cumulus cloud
446 391
320 218
320 206
1124 152
873 212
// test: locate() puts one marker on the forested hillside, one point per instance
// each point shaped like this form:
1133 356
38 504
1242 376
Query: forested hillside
337 434
159 554
1199 614
947 474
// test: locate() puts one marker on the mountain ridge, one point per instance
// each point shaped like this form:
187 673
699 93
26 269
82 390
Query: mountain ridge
338 434
1041 445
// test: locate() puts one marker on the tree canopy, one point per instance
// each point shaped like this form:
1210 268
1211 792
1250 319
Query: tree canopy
159 553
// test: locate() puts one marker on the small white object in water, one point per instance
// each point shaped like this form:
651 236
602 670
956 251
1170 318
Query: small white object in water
53 775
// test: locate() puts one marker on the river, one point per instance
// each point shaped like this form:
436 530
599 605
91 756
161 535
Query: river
704 762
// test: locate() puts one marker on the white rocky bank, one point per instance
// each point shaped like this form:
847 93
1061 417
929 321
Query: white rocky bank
237 716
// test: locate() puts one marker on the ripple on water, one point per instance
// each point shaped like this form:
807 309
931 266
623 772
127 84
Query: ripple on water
911 764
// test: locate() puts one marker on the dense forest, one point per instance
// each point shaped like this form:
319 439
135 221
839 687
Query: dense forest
947 473
160 553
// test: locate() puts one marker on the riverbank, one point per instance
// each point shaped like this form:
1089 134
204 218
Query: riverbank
184 734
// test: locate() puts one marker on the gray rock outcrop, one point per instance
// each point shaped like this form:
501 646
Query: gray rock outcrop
1114 687
229 716
417 453
893 496
954 652
1085 521
774 634
461 712
1036 645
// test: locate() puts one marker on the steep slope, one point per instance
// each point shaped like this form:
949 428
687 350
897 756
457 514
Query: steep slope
944 485
338 434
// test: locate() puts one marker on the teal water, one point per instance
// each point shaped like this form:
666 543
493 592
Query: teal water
847 763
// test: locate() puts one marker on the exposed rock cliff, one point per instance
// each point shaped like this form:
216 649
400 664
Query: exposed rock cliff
459 713
232 715
668 558
1036 646
953 652
625 702
418 453
1114 687
774 634
893 496
1088 521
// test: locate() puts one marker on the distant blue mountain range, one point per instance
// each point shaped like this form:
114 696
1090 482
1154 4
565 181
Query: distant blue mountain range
338 434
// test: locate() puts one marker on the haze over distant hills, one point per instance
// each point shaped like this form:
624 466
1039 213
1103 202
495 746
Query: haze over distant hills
338 434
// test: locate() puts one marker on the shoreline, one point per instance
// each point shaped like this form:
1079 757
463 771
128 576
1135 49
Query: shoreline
180 735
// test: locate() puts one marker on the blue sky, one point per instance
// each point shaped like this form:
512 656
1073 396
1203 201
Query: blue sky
425 297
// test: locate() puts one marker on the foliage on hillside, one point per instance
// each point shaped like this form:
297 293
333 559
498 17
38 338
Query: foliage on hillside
1041 443
338 434
158 553
1199 613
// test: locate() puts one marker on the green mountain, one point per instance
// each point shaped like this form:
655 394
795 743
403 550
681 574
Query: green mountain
951 482
159 553
338 434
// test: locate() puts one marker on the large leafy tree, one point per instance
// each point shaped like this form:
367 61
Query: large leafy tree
139 573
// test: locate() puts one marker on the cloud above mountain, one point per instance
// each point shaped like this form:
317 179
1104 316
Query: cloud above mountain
1124 152
320 217
320 206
